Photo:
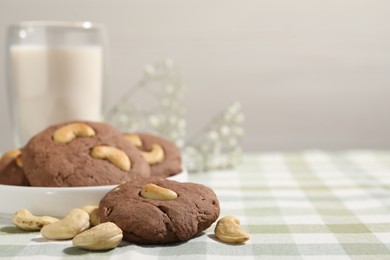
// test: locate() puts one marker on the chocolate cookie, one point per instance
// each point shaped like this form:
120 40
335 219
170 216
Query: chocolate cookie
162 155
81 154
11 169
146 220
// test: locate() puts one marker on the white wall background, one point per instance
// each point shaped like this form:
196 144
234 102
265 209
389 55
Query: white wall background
309 74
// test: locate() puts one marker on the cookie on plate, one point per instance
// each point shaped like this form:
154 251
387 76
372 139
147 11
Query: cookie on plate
81 153
11 169
162 155
138 209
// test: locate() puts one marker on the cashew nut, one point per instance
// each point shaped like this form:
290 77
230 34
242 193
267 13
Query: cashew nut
101 237
19 162
25 220
228 230
13 155
154 156
134 139
69 132
117 157
74 223
154 192
93 212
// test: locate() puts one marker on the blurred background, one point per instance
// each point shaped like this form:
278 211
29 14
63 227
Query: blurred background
308 74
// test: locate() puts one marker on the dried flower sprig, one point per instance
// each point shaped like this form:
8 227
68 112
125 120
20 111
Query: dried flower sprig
162 114
215 146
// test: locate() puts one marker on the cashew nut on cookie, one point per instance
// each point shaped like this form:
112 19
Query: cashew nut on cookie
69 132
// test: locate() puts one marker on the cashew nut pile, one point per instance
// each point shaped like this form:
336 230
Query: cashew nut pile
104 236
75 226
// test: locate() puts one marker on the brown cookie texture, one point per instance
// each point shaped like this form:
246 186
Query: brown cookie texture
149 221
171 164
48 163
10 172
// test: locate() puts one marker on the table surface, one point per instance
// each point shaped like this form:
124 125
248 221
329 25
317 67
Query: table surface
297 205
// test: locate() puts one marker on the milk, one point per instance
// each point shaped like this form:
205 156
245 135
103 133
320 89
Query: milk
55 84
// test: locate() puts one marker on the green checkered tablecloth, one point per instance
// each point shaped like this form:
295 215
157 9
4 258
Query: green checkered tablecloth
302 205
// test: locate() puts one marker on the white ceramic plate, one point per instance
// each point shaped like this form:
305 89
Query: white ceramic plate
54 201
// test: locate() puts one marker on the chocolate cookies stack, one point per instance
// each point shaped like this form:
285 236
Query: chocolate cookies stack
88 154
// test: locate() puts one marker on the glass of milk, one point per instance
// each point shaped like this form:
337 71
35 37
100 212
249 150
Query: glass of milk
55 74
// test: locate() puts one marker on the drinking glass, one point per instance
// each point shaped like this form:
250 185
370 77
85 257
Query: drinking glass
55 73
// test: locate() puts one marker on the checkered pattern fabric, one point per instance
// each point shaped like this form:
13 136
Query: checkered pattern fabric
306 205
